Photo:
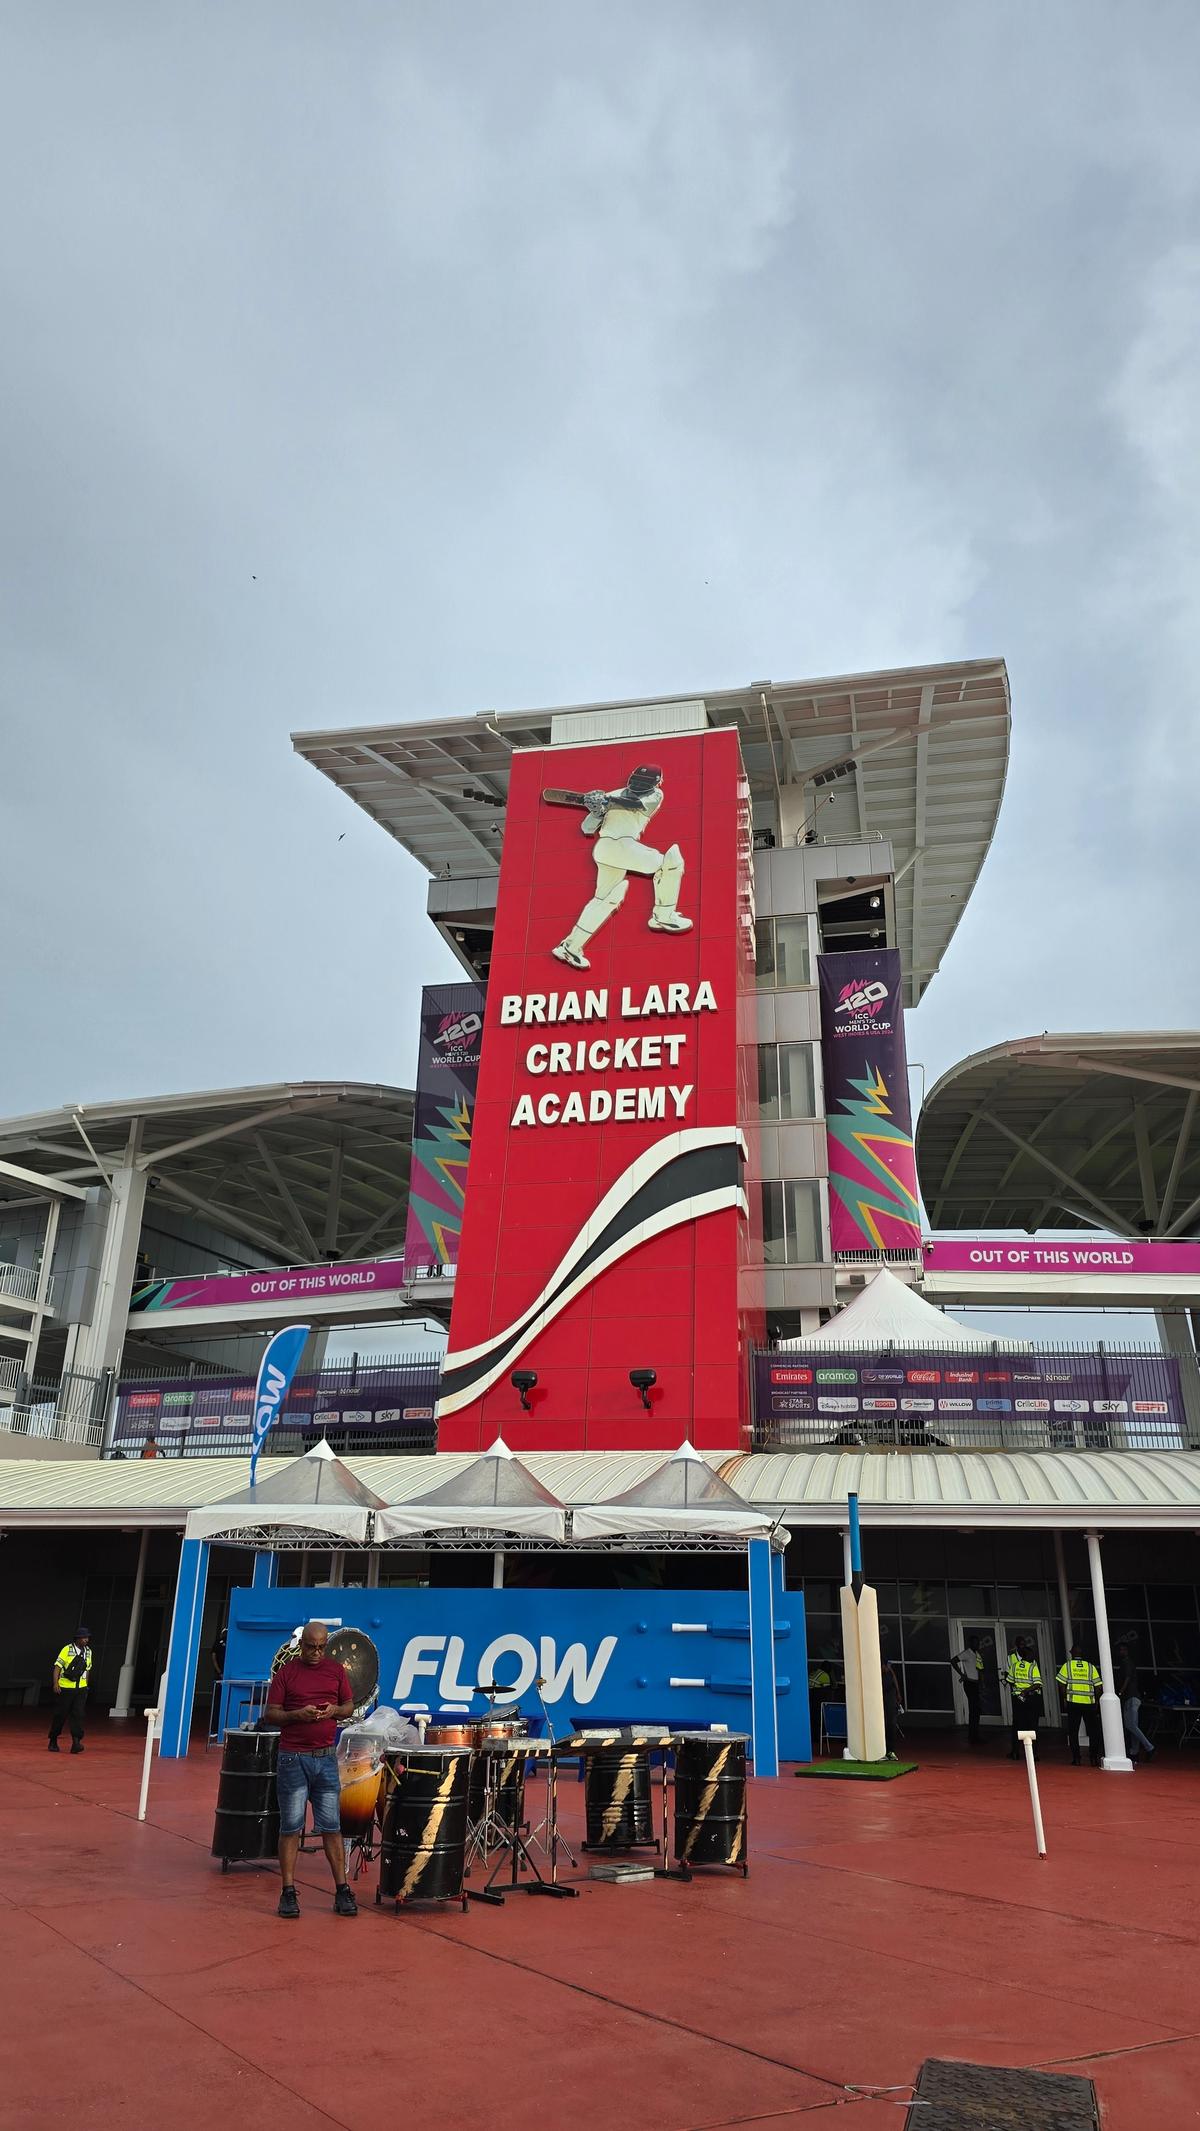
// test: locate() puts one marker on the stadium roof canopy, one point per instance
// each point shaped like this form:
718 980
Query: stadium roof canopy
928 744
304 1170
1024 1489
1101 1129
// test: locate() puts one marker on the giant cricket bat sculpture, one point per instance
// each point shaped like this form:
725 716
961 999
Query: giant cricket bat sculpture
865 1739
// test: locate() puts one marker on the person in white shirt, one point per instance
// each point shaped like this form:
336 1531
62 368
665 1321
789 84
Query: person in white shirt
969 1667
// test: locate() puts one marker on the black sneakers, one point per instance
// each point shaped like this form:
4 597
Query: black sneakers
288 1904
344 1902
77 1746
52 1746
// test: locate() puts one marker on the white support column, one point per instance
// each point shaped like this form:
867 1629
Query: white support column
1111 1722
498 1569
121 1707
41 1298
1064 1596
373 1569
847 1565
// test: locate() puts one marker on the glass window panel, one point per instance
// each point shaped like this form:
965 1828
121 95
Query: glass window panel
791 953
1171 1601
774 1244
1024 1600
928 1639
764 953
965 1598
1125 1601
768 1080
923 1601
821 1595
803 1223
795 1086
928 1687
1176 1646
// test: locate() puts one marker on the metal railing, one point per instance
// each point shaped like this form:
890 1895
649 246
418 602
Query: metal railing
1007 1396
20 1283
69 1410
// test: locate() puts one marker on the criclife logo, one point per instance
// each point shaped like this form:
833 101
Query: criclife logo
437 1665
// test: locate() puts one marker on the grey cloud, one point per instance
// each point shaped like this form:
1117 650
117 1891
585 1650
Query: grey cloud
389 361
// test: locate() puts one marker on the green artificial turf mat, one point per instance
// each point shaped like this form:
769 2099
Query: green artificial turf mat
858 1771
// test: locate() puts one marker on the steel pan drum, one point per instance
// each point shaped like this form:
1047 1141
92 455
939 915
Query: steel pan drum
360 1772
422 1855
618 1810
450 1734
710 1798
351 1648
246 1827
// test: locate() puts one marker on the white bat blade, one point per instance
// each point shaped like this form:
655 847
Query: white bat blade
870 1666
852 1667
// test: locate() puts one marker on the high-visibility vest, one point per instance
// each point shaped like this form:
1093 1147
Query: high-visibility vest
1081 1679
819 1678
1023 1673
74 1665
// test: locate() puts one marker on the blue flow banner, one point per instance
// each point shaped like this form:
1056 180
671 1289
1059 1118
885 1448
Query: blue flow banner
275 1372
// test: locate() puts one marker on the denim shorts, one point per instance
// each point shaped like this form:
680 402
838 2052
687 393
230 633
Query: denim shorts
308 1778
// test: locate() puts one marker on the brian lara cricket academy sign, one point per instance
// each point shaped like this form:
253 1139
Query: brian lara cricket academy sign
622 1240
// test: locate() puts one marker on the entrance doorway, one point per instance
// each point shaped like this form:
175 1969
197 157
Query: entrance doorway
997 1639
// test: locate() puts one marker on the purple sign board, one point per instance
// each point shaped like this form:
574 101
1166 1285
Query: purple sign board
447 1076
872 1166
295 1286
215 1413
912 1398
1061 1254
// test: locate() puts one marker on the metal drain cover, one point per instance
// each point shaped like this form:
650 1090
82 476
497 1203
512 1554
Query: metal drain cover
988 2097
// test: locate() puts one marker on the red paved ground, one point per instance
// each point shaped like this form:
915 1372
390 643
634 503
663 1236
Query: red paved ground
881 1924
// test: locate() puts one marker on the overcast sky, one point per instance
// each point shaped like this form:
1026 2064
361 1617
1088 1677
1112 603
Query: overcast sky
367 362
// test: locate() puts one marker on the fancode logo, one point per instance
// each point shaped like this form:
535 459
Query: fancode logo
1071 1405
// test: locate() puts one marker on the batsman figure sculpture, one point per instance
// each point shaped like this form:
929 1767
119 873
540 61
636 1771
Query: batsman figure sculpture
618 820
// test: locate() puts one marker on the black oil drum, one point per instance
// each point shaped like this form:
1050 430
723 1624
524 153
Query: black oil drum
506 1763
710 1798
246 1828
422 1854
618 1809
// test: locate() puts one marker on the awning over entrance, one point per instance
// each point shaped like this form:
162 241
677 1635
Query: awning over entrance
310 1501
494 1498
1048 1489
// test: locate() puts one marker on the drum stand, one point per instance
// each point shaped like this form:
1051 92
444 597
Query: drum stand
510 1839
667 1870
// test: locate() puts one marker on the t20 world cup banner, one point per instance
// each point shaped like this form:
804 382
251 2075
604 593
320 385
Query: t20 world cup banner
872 1167
607 1228
447 1073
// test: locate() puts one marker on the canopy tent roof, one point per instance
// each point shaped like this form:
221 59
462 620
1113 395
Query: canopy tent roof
929 746
1046 1131
309 1500
1051 1489
494 1497
683 1501
305 1171
887 1313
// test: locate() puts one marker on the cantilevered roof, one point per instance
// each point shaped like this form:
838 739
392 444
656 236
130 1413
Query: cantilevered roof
304 1170
1100 1128
1148 1488
930 744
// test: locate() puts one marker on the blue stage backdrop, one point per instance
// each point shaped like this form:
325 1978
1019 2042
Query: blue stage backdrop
677 1658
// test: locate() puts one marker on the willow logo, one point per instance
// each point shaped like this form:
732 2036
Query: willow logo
618 821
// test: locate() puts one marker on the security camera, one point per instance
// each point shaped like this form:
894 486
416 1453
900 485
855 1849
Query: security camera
643 1380
523 1381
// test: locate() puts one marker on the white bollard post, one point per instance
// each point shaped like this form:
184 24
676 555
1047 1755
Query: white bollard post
151 1721
1027 1738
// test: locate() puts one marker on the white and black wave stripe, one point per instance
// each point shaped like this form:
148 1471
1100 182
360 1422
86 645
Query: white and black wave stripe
682 1177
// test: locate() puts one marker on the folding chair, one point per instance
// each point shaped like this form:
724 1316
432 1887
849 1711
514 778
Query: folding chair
833 1725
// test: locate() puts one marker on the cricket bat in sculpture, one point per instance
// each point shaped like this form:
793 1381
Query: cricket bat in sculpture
865 1739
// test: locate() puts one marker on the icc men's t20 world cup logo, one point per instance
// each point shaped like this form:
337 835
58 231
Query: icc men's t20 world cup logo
618 821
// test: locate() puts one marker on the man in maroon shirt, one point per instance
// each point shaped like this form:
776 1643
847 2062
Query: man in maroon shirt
308 1698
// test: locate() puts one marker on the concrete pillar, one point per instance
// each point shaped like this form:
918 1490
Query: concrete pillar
764 1714
266 1572
42 1295
373 1569
101 1347
1064 1596
183 1653
121 1706
1111 1723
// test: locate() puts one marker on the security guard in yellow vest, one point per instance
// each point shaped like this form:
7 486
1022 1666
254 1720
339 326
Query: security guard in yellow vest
72 1671
1082 1685
1024 1682
820 1683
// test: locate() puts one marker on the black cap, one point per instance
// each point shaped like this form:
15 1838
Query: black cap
86 1633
